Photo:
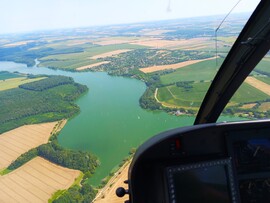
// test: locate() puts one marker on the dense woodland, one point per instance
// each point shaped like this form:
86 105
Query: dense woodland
83 194
47 84
19 106
148 101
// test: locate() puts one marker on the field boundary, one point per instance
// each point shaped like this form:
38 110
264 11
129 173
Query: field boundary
20 140
92 65
151 69
35 181
110 53
262 86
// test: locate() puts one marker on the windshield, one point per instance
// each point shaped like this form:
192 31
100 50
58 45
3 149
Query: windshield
251 100
84 83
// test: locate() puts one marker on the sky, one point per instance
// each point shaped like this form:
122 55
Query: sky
31 15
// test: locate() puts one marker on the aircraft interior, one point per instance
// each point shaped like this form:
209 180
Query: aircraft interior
211 162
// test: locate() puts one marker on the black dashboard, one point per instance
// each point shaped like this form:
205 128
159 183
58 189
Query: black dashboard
213 163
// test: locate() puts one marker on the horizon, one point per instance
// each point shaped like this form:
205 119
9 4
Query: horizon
32 16
218 16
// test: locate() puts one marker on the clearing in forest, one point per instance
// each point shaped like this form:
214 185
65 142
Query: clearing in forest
172 66
20 140
35 181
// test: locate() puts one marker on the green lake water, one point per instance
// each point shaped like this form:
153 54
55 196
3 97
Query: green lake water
111 122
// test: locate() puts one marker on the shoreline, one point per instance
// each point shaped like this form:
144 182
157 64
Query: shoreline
108 191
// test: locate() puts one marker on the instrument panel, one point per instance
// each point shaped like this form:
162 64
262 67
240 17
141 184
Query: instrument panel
225 163
208 182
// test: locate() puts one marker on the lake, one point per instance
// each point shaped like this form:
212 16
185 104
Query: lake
111 121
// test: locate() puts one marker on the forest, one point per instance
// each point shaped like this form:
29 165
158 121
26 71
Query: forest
19 106
48 83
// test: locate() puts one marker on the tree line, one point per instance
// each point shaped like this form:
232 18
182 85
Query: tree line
52 81
19 106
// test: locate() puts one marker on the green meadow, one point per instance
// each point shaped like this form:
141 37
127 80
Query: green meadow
263 67
196 72
248 94
193 97
180 96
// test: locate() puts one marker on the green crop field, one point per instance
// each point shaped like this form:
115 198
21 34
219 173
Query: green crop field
263 66
180 96
248 94
193 97
200 71
229 39
264 79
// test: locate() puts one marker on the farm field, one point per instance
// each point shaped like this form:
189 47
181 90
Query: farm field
76 60
263 79
118 40
181 97
207 70
111 53
162 43
4 75
248 94
15 82
264 87
172 66
264 106
18 141
263 66
154 32
248 106
17 43
35 181
92 65
178 96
